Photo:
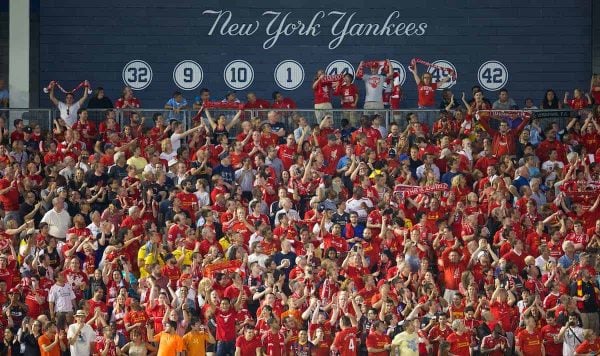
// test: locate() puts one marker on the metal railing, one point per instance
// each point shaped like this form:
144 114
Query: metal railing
289 117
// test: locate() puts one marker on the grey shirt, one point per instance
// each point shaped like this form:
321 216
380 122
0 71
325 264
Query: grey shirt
374 87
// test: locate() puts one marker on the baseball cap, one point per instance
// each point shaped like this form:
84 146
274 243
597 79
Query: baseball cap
403 157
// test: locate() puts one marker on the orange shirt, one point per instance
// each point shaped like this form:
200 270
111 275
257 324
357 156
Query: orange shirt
44 340
530 343
170 344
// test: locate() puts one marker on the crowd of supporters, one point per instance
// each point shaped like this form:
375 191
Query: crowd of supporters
479 235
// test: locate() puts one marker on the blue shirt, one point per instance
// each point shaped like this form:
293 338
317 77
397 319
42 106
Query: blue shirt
176 105
565 262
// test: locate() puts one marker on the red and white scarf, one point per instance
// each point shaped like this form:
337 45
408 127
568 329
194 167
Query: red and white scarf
54 83
450 71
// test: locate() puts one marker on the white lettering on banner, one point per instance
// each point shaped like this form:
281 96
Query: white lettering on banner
312 29
282 25
234 29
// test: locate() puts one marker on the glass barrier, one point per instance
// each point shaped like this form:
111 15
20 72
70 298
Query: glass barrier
288 117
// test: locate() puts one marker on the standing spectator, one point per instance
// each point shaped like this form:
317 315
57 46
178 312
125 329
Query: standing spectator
204 97
322 90
81 336
176 105
226 316
584 293
58 219
127 100
425 88
9 194
374 85
503 140
50 342
4 96
346 342
281 102
99 100
590 345
248 344
550 101
68 109
504 102
61 299
348 93
169 342
255 103
406 342
529 341
196 340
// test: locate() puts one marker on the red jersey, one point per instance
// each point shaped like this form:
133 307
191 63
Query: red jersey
274 344
587 347
322 93
530 343
427 94
100 345
257 104
248 347
489 342
225 324
285 103
133 102
552 347
346 342
503 313
378 341
348 93
37 302
189 203
460 344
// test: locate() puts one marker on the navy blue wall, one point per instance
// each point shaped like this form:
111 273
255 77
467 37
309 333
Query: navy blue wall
543 44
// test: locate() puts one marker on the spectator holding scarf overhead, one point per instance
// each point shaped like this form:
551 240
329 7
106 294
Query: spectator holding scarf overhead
425 88
504 139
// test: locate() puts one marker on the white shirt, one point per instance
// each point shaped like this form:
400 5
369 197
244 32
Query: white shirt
58 223
71 117
291 214
421 171
83 344
62 298
356 205
570 342
176 141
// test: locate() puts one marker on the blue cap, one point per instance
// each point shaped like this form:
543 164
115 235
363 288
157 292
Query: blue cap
403 157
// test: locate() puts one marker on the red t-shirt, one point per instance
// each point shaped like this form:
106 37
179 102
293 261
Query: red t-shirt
427 94
530 343
346 342
248 347
378 341
225 324
10 199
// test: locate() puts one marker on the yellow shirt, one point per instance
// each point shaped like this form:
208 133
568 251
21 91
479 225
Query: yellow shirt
169 344
195 342
187 259
407 344
147 258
